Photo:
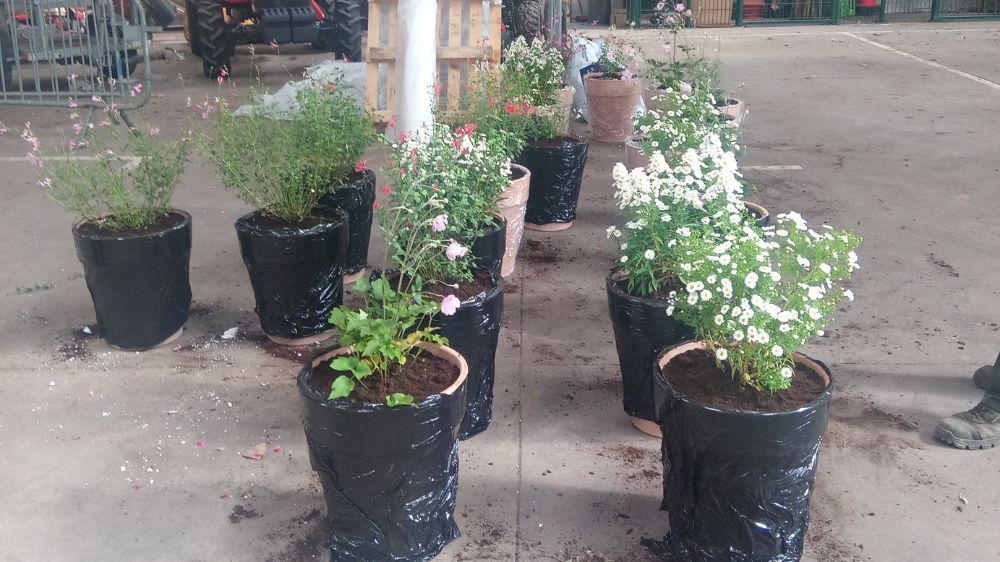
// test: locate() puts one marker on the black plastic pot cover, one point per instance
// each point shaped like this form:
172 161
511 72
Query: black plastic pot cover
556 172
356 197
139 283
297 274
474 331
389 475
737 484
488 249
642 328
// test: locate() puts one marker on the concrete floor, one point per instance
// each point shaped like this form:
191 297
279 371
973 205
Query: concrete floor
895 131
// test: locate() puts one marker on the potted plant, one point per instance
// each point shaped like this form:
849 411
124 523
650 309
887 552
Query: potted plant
742 412
135 248
662 204
680 59
381 416
295 248
612 93
533 73
453 175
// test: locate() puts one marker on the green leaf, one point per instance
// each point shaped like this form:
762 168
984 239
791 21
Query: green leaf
399 399
381 289
362 285
352 364
341 388
338 317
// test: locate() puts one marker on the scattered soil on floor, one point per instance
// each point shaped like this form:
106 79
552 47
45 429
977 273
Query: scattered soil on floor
535 251
421 376
77 348
695 374
167 222
843 409
240 513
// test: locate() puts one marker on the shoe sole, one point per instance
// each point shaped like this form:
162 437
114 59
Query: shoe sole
961 443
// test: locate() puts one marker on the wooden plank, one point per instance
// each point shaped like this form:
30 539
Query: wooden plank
371 68
454 40
390 81
494 28
476 23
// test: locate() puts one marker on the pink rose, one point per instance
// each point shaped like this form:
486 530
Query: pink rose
449 305
455 251
439 223
686 89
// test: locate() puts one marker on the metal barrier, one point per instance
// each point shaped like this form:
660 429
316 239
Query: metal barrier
950 10
77 53
770 12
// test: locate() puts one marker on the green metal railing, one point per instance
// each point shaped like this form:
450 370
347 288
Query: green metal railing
951 10
768 12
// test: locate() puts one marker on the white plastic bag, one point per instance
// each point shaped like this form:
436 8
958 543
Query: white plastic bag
279 104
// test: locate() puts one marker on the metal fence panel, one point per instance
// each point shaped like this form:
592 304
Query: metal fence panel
74 52
756 12
965 9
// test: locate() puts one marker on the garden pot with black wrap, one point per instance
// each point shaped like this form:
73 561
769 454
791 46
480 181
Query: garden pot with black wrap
138 280
389 475
611 104
489 248
297 272
556 173
736 483
356 198
474 331
512 204
642 328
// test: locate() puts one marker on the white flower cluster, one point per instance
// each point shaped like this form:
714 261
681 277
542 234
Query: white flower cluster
537 65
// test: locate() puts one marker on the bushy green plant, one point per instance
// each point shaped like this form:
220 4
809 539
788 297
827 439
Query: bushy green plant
532 73
618 59
680 119
283 166
755 296
110 175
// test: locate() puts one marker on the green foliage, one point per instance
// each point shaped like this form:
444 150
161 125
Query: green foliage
386 332
532 73
283 164
111 176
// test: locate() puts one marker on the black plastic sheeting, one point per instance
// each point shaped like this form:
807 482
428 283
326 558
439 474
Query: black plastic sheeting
488 249
139 284
737 484
355 197
474 331
642 328
297 274
556 172
389 475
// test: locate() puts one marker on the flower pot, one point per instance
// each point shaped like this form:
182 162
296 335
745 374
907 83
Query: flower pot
488 249
611 105
634 156
737 483
652 96
563 108
138 281
642 328
473 331
297 272
556 173
762 214
511 205
389 475
733 108
356 198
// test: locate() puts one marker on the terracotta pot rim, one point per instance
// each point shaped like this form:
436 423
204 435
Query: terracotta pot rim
113 235
434 349
669 353
757 210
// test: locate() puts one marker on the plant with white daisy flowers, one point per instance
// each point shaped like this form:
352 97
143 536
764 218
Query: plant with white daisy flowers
670 202
681 118
755 296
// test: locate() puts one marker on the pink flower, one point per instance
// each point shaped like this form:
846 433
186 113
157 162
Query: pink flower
686 89
72 103
627 74
449 305
392 122
433 202
680 7
668 48
360 167
277 450
439 223
660 6
688 13
200 444
455 251
153 131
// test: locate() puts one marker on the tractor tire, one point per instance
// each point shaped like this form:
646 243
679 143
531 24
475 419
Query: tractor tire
347 21
191 27
528 19
217 42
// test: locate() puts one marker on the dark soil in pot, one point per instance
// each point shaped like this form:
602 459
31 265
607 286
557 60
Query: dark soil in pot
556 173
736 483
422 376
296 270
389 475
138 280
474 331
488 249
642 328
355 197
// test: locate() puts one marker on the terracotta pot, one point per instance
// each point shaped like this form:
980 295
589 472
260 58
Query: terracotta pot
511 205
563 108
762 214
611 105
649 95
732 107
634 157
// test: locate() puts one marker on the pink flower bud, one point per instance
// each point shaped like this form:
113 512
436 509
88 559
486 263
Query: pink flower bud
686 89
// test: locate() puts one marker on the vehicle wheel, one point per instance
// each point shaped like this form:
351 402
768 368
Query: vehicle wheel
191 27
217 43
327 31
347 22
528 18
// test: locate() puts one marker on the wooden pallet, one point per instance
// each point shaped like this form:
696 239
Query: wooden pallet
460 44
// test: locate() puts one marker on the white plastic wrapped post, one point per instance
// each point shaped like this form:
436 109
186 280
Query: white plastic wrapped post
416 58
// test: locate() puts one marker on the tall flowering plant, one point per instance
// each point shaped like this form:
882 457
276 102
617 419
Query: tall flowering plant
670 202
755 296
618 59
532 72
682 118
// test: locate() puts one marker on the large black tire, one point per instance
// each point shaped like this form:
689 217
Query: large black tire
217 42
191 26
347 20
528 19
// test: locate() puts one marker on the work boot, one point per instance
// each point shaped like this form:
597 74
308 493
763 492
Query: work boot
984 376
978 428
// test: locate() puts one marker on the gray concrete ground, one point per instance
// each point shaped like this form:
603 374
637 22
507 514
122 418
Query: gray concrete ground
895 131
